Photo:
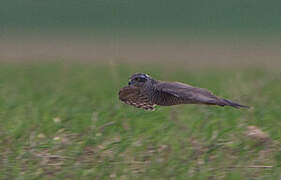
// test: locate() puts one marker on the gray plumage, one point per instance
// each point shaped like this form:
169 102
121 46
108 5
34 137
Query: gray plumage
145 92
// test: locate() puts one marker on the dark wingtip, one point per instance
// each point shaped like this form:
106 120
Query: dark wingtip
233 104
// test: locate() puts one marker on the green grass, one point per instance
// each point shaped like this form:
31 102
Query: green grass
65 122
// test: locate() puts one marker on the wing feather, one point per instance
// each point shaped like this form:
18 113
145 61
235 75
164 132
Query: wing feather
180 93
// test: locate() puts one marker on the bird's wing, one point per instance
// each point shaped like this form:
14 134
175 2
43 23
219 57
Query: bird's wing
133 96
180 93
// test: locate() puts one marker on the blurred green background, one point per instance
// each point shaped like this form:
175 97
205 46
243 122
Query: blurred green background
228 32
244 16
62 63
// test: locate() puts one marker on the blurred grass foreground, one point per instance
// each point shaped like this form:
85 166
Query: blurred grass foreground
62 64
63 121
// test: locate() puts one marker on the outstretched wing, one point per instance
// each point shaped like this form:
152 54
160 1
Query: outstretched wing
133 96
173 93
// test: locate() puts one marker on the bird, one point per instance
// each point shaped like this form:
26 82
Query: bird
145 92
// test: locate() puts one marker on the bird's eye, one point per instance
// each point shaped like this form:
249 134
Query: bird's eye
138 79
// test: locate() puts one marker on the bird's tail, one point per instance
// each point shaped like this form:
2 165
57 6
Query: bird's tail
225 102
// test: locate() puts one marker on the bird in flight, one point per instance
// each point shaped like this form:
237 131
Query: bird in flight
145 92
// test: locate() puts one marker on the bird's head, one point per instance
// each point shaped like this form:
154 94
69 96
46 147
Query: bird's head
139 79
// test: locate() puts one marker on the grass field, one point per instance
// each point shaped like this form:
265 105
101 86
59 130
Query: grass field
62 121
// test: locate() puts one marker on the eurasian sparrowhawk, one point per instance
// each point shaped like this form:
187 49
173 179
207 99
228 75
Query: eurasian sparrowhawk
145 92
